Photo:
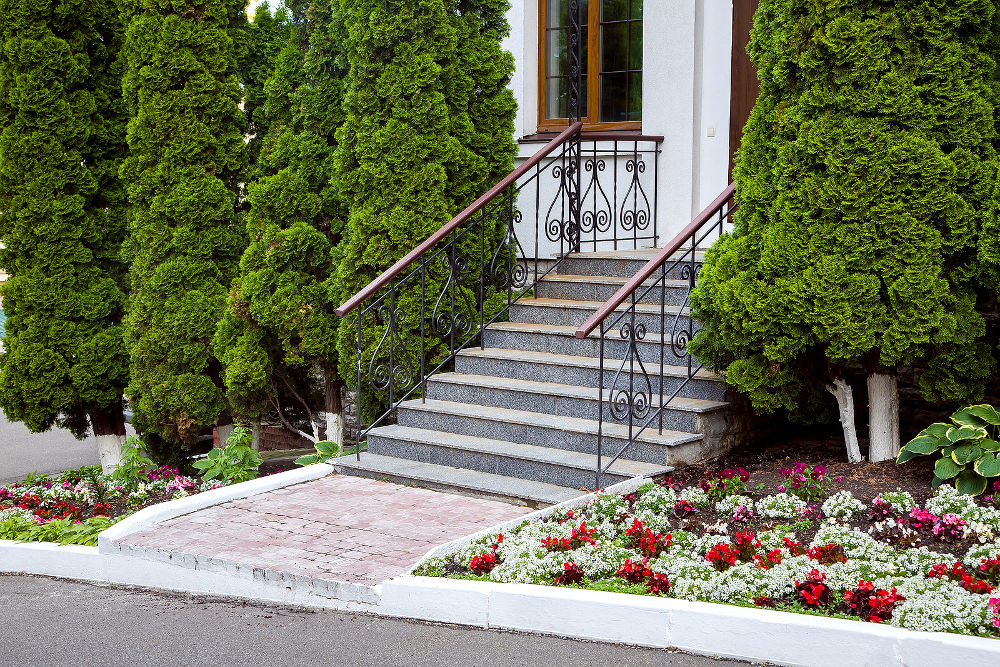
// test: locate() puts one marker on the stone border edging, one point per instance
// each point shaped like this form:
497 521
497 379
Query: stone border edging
704 628
217 577
171 509
621 488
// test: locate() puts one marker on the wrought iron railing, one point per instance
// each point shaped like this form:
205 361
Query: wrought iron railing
631 399
414 319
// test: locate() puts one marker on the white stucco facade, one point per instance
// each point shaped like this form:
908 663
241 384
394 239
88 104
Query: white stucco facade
687 50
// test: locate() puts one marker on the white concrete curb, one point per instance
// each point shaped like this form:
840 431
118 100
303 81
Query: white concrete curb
161 512
696 627
207 576
621 488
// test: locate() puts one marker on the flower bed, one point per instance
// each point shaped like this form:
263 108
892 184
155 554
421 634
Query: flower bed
812 548
73 507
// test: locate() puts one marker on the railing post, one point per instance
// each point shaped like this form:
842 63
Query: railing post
600 408
357 397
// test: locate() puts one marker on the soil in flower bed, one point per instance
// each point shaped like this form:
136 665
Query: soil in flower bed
864 480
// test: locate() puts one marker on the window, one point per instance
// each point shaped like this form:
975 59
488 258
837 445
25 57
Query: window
612 48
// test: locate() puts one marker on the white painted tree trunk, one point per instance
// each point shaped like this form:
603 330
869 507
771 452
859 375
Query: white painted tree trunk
335 428
883 417
845 403
109 449
224 431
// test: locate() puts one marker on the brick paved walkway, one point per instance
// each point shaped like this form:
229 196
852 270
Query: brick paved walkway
338 527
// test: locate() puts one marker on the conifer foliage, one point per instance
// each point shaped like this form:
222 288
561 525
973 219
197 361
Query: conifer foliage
428 128
866 178
278 337
61 219
187 158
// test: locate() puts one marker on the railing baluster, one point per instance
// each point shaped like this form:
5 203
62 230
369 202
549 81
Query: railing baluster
663 336
357 398
600 406
482 276
616 215
423 331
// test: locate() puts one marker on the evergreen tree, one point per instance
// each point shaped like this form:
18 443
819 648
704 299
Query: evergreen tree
61 223
265 38
867 171
278 338
186 163
429 127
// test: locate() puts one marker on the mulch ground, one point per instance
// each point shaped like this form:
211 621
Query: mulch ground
864 480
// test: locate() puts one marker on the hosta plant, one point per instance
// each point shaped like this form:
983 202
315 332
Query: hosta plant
325 450
236 462
968 447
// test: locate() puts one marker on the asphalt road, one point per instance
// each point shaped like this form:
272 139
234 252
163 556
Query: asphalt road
54 622
22 451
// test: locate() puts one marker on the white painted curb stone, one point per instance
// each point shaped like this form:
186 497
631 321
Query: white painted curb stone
619 489
696 627
231 580
171 509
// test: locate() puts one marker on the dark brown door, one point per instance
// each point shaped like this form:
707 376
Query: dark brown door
745 86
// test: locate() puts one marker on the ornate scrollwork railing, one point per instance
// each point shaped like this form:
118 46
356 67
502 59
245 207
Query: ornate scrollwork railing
579 191
636 397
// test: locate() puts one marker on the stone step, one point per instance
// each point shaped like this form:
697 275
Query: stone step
561 339
682 414
499 457
523 426
602 288
618 263
585 371
455 480
574 313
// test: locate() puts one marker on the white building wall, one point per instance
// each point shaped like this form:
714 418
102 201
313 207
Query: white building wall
686 86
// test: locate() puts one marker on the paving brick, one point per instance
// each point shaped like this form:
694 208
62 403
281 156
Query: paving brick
337 527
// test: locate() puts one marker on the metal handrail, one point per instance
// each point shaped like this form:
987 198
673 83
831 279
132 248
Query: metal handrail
456 222
656 262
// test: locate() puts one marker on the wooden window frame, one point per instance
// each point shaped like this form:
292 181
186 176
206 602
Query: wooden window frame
593 77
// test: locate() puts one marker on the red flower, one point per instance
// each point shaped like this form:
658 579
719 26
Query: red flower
483 563
572 574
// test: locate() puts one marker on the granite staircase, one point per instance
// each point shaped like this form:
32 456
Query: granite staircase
518 418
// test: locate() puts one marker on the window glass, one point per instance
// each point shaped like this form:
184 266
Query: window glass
617 86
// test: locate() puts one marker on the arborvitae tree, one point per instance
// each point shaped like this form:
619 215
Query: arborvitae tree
868 168
187 158
265 37
278 338
61 223
481 106
429 127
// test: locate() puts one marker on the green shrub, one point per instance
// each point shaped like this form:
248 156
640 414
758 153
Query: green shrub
866 181
187 160
61 216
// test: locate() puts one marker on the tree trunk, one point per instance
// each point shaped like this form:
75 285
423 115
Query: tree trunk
255 432
334 409
109 431
883 417
845 404
224 431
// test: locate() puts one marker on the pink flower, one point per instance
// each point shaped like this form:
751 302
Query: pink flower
781 488
840 478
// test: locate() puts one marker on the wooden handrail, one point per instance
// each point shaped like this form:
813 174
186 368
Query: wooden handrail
456 222
652 265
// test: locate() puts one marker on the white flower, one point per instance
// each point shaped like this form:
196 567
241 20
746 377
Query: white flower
780 506
728 505
842 505
695 496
